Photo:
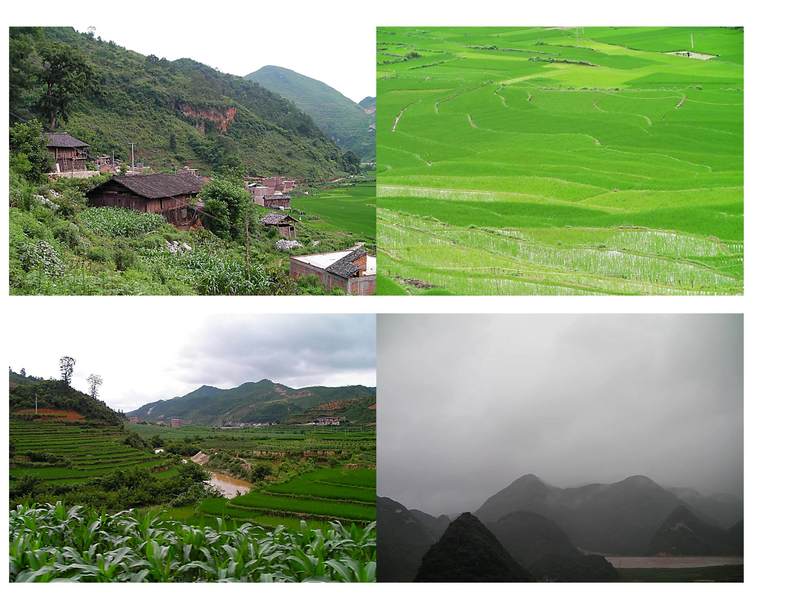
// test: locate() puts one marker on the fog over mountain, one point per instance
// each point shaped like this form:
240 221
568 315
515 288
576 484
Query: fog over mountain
469 403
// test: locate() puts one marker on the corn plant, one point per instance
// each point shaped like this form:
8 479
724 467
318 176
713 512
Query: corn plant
56 543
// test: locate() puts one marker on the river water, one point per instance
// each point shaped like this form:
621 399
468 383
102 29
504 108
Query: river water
673 561
229 486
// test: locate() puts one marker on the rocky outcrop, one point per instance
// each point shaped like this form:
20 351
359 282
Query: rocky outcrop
218 119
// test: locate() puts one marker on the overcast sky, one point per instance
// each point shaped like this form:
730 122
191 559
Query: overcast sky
341 54
467 404
155 357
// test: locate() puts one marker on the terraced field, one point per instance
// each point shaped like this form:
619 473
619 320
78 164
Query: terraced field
83 452
318 496
560 161
348 209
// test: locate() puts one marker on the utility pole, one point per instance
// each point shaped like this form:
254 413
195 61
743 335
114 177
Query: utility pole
36 404
132 155
692 40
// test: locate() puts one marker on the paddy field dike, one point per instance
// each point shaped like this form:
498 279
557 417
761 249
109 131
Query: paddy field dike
560 161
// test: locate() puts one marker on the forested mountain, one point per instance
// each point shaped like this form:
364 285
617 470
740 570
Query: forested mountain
263 401
346 122
176 112
402 540
684 533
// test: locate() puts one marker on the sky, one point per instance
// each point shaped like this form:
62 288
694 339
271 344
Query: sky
342 55
469 403
154 357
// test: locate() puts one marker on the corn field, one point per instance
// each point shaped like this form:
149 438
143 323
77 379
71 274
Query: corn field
56 543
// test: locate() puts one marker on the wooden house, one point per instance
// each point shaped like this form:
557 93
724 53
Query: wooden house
67 152
352 270
284 223
166 194
276 201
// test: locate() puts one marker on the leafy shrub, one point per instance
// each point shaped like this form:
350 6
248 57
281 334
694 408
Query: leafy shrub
98 254
43 257
68 234
117 222
124 258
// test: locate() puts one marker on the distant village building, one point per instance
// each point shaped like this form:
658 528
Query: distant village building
68 153
328 421
276 201
166 194
284 223
105 164
133 419
352 270
279 183
176 422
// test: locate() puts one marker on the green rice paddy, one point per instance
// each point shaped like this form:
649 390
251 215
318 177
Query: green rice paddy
346 209
560 161
316 497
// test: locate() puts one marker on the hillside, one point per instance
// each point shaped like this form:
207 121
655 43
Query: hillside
56 400
469 552
263 401
345 121
402 540
684 533
177 112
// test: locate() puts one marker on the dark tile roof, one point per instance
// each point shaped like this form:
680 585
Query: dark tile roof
344 267
157 185
276 197
63 140
277 219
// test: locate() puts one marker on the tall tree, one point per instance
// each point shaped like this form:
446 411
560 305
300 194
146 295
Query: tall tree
67 368
66 77
94 380
29 156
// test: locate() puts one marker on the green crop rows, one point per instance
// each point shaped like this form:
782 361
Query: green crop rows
54 543
87 452
560 161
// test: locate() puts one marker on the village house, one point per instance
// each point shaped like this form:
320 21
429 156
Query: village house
68 153
284 223
276 201
166 194
352 270
133 419
176 422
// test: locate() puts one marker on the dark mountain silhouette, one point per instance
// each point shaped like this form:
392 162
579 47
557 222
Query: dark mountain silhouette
541 547
469 552
402 540
684 533
263 401
617 518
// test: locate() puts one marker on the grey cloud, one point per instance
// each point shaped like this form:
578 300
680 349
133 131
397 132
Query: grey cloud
469 403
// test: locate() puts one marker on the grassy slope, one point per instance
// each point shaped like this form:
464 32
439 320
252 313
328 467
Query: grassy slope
553 176
140 100
341 118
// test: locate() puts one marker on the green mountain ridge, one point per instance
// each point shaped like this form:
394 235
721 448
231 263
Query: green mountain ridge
179 112
263 401
346 122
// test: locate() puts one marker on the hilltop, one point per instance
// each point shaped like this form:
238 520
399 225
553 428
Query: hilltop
263 401
177 112
346 122
56 401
